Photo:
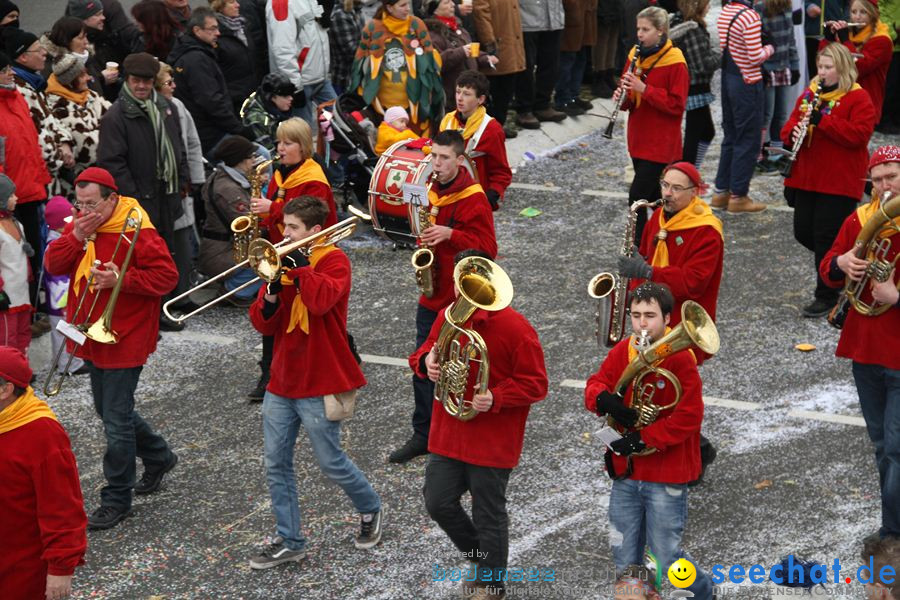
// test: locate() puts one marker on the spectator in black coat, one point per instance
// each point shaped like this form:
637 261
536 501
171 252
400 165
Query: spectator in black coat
236 52
254 13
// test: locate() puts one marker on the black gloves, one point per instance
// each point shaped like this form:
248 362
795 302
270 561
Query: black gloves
295 260
843 34
766 38
299 99
815 117
795 76
612 405
494 198
4 301
635 267
274 288
628 445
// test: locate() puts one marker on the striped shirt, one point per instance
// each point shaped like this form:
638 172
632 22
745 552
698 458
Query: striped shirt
744 43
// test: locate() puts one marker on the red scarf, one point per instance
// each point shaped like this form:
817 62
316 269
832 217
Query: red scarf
449 22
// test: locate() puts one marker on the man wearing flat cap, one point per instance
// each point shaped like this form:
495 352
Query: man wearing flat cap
42 536
140 144
115 368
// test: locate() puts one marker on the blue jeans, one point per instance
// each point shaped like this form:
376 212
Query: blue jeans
316 94
742 113
655 513
879 398
282 418
127 434
240 277
571 72
423 388
779 102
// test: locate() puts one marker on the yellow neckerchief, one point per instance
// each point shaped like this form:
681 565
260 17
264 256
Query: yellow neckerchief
695 214
55 87
308 171
632 351
667 55
867 33
299 313
112 225
451 121
25 409
867 211
827 97
396 26
442 201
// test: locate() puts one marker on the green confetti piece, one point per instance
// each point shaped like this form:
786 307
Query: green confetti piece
529 212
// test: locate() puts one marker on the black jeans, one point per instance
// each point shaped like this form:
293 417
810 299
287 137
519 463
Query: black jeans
485 537
423 388
817 221
535 84
644 186
31 215
127 434
698 127
502 89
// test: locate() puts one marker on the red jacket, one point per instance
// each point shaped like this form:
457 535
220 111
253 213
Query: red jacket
135 320
654 127
695 267
864 340
840 138
490 158
22 158
675 434
43 526
473 228
318 363
872 67
517 380
275 221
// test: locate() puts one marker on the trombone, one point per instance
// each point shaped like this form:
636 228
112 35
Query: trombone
264 258
101 330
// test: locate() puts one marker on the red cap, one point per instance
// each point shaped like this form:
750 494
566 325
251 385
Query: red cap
98 175
884 154
14 367
689 170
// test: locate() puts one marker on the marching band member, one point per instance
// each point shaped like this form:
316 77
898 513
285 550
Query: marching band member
840 125
479 455
115 368
306 313
876 365
656 80
482 134
649 495
463 220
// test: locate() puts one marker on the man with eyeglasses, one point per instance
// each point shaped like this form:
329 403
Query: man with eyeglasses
200 84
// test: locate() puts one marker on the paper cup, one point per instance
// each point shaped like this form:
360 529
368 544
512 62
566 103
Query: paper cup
475 49
112 66
467 2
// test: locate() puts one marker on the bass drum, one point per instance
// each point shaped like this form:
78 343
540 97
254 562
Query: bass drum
399 165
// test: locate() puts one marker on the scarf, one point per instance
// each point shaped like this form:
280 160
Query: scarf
299 312
867 33
396 26
449 22
696 214
25 409
827 101
309 170
55 87
166 167
632 351
661 57
867 211
468 127
236 25
238 177
32 78
442 201
112 225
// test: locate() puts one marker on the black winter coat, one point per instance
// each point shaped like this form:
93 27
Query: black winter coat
201 85
238 64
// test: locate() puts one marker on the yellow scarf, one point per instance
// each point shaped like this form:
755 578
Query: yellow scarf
867 211
308 171
396 26
55 87
449 199
632 351
112 225
666 56
695 214
25 409
299 312
450 121
832 96
866 33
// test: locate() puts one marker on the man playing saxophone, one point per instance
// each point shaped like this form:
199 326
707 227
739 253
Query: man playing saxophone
478 455
648 502
463 220
870 341
115 368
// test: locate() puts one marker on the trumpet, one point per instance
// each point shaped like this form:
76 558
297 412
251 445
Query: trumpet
615 113
264 258
101 330
246 227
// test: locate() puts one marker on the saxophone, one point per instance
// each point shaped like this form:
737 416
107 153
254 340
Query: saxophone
610 289
246 227
423 258
798 143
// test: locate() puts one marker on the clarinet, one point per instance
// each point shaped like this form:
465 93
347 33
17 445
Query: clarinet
798 143
615 113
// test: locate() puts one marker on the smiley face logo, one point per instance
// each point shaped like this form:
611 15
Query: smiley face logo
682 573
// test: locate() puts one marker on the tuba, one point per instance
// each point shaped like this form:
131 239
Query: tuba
423 258
481 284
246 227
696 330
610 289
874 245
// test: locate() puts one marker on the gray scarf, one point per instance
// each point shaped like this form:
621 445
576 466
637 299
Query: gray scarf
235 24
238 177
166 167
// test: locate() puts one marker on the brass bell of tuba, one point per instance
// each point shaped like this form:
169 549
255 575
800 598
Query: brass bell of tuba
246 227
481 284
696 330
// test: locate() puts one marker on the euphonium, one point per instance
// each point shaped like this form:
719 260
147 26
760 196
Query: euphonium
874 245
696 330
481 284
615 113
610 289
246 227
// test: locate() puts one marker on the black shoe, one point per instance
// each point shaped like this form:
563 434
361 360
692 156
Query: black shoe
510 133
550 114
152 478
259 391
527 120
82 370
369 530
582 103
818 308
167 324
601 89
107 517
571 109
276 554
414 446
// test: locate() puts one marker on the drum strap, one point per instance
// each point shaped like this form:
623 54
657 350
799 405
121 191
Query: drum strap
476 137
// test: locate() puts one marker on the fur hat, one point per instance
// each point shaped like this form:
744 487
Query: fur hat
14 367
68 68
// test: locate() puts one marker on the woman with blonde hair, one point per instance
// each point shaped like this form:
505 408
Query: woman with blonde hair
840 120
